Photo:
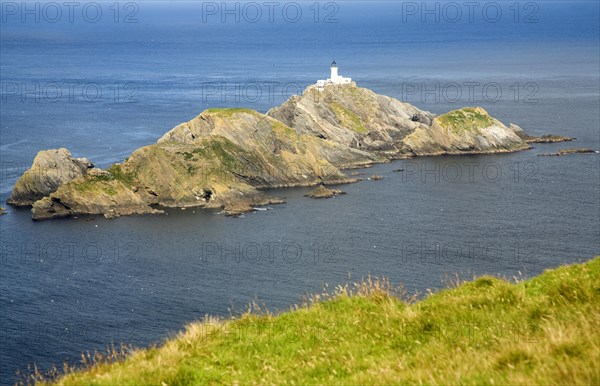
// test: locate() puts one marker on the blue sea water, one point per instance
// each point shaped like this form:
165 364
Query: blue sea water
104 87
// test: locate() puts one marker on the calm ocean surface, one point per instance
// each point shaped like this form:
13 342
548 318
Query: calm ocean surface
106 88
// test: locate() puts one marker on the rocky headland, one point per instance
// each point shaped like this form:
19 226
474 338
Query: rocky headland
225 158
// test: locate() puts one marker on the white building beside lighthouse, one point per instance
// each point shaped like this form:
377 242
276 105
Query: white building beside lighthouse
334 79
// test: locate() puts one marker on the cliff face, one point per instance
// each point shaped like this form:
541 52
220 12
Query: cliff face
224 157
99 192
226 153
355 117
469 130
361 119
50 170
218 159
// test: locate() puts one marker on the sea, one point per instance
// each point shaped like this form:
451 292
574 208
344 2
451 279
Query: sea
105 78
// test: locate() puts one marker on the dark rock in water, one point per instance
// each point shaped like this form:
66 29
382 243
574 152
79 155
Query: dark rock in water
239 208
546 138
323 192
398 170
570 151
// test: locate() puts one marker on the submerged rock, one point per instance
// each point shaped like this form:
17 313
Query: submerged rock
50 170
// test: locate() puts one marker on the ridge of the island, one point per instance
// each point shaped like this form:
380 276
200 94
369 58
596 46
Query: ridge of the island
225 157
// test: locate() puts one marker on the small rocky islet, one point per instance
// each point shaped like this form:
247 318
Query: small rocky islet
562 152
225 158
322 191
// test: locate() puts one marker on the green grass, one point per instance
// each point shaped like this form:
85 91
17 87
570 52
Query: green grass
91 183
347 118
95 184
229 111
466 119
488 331
120 175
104 182
222 148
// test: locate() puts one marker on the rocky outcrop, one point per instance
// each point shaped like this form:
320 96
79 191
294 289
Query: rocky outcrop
355 117
100 192
322 191
220 159
363 120
546 138
224 158
50 170
571 151
227 155
468 130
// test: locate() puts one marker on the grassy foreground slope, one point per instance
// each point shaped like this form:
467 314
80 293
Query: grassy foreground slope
541 331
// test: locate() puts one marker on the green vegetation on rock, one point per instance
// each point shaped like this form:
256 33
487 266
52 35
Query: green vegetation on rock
95 184
348 118
487 331
235 152
229 111
222 148
120 175
467 119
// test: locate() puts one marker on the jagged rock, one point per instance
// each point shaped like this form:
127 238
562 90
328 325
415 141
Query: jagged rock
355 117
571 151
541 139
423 118
50 170
549 139
92 195
223 158
236 209
323 192
468 130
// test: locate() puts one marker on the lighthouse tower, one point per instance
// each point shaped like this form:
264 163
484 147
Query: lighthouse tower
334 71
335 79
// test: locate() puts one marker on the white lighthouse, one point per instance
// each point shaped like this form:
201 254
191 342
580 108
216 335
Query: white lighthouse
334 79
334 70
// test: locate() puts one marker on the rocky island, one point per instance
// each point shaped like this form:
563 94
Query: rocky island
226 157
